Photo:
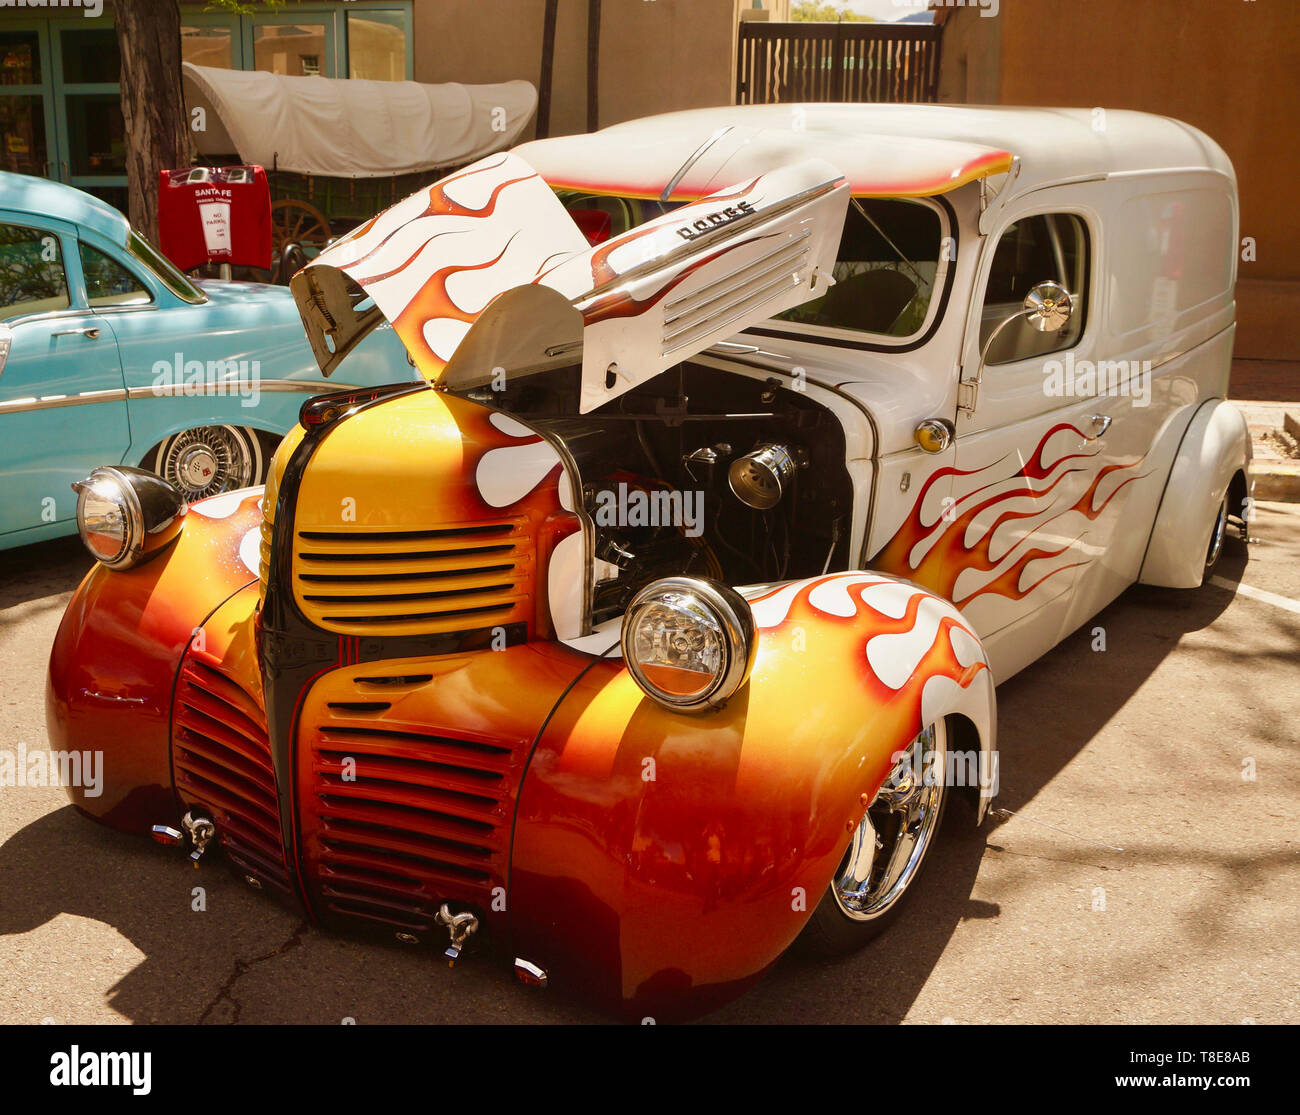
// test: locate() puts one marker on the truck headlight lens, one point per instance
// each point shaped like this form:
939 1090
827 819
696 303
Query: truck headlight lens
127 515
689 642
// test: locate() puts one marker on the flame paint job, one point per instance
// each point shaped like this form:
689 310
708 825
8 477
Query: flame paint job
638 162
463 457
951 551
659 858
118 648
418 260
435 262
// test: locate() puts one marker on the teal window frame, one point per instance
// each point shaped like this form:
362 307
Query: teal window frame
336 61
43 89
63 90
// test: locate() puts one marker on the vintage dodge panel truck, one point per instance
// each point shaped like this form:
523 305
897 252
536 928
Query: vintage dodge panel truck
761 444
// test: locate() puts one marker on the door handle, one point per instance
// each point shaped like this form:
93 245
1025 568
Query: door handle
91 331
1100 424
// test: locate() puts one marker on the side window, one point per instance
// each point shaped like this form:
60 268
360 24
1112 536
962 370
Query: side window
1048 246
32 280
108 283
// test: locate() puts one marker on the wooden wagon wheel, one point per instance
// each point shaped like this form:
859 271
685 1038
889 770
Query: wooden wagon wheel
298 222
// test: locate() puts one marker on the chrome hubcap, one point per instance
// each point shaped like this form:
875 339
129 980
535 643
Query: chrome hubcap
206 461
890 843
197 466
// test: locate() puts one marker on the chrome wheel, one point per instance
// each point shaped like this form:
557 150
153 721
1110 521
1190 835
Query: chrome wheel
1216 535
891 842
208 460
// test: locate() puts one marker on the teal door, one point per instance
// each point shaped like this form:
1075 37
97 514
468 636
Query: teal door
62 397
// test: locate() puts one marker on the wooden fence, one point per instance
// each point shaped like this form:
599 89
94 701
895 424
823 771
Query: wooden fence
780 63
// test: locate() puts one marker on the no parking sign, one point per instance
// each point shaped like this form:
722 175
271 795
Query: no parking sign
216 215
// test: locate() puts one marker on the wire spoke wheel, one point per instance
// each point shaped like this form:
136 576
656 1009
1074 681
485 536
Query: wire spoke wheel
208 460
896 832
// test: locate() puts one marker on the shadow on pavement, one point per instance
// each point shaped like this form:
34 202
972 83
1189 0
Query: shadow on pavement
46 569
64 863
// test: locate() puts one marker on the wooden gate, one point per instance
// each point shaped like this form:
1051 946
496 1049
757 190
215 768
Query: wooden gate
780 63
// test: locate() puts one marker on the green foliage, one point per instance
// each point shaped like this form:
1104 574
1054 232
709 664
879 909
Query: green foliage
810 11
237 7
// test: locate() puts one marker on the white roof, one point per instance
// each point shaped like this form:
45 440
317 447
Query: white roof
352 128
884 149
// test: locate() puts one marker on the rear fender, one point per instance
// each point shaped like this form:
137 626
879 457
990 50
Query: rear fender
662 861
118 648
1214 449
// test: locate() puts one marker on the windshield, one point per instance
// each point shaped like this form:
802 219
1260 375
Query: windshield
164 269
888 269
886 273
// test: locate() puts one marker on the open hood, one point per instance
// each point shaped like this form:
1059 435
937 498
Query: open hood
446 267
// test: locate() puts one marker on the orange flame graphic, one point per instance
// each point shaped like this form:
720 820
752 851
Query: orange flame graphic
949 555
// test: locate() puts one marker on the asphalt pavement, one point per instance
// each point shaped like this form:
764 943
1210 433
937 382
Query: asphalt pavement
1147 868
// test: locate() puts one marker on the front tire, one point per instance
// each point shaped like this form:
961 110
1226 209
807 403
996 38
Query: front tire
886 853
208 460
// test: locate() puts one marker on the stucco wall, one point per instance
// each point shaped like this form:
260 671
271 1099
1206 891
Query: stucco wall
654 56
1227 68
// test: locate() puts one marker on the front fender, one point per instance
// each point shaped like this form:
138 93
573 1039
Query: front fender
662 861
1214 449
119 645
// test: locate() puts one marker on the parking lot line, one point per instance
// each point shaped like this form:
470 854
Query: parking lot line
1258 594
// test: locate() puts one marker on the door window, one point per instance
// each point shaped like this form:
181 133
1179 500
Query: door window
108 283
1045 247
32 280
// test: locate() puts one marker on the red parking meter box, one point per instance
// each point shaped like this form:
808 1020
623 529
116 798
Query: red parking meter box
215 215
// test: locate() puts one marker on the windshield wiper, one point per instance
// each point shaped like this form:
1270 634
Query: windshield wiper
694 158
897 251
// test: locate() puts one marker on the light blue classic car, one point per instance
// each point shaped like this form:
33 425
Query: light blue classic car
110 355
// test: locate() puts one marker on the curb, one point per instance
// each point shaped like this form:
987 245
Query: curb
1277 478
1277 481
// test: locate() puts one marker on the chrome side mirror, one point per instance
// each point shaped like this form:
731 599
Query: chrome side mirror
6 336
1047 307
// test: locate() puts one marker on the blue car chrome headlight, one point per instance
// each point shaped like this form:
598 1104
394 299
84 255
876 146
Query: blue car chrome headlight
125 515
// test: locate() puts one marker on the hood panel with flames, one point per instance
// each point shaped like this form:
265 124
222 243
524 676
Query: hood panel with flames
436 265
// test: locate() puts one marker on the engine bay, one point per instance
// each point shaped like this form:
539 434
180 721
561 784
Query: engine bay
699 472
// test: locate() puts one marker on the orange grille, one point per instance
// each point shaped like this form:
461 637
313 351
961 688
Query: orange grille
405 582
222 762
400 818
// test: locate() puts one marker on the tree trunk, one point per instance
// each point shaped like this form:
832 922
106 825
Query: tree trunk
149 38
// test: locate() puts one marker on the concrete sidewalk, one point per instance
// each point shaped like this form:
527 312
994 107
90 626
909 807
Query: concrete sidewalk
1268 393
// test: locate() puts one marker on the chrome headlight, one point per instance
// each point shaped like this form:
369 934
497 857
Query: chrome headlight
127 515
688 642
